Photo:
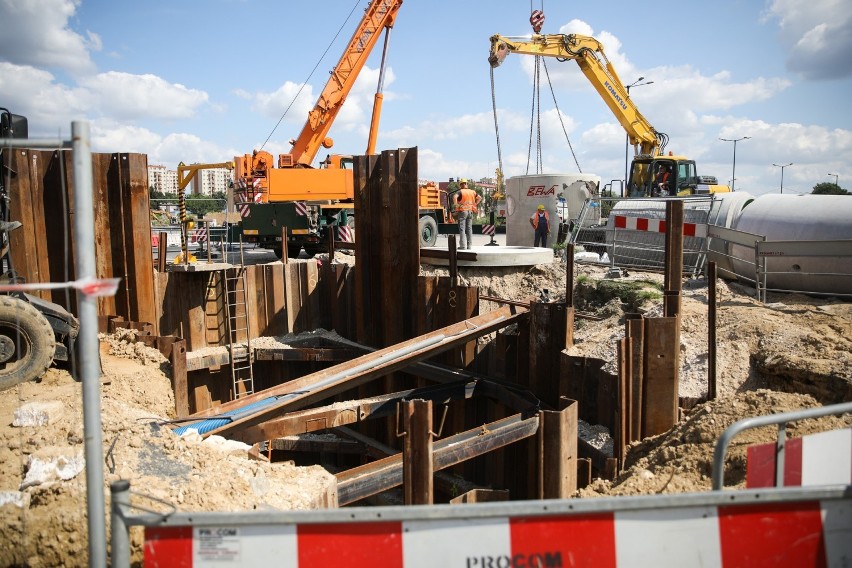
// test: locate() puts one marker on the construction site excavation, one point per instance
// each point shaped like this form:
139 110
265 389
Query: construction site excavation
330 371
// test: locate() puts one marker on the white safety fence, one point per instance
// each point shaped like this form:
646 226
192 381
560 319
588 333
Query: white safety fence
788 527
633 234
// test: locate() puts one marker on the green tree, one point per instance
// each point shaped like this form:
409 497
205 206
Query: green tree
828 188
200 205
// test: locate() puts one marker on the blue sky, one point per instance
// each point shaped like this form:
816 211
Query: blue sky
205 80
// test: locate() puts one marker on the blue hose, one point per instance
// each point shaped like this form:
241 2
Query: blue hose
215 422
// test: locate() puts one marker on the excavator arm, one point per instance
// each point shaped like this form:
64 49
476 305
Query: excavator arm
379 15
589 55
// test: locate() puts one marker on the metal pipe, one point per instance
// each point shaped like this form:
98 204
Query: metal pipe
87 340
119 535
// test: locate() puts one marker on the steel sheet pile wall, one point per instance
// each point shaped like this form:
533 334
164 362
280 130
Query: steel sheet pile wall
41 194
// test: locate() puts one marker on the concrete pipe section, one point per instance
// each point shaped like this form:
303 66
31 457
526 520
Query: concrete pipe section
481 256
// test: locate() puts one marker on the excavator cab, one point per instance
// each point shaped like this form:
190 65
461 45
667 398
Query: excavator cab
647 177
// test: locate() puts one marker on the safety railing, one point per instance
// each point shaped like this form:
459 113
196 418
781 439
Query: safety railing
781 421
810 267
634 232
734 253
616 531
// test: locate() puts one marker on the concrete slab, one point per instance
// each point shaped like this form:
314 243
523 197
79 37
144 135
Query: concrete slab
493 256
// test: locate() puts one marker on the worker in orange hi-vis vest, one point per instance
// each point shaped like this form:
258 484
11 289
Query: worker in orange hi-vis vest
466 205
540 221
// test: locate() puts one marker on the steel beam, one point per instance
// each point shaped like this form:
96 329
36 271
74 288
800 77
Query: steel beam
317 386
360 482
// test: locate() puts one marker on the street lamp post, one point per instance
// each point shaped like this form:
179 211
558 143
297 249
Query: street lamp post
782 166
636 83
734 140
835 180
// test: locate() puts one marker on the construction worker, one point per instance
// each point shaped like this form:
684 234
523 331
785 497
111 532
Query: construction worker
662 186
540 221
467 201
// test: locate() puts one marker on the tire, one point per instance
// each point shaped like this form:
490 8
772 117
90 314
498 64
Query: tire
428 231
27 342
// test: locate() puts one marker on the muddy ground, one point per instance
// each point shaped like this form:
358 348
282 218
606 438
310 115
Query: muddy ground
793 352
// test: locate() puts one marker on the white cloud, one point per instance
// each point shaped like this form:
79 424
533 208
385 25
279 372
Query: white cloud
817 34
37 32
132 97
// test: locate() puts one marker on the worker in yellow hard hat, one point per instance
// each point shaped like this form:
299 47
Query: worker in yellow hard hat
466 205
540 221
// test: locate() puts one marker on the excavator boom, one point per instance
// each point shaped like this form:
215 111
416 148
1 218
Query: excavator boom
589 55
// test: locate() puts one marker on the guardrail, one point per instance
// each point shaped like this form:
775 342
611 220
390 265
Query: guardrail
768 254
781 420
780 527
633 234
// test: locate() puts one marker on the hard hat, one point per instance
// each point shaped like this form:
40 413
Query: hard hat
463 180
540 207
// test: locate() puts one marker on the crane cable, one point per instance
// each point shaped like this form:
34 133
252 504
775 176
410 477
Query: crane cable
311 74
535 119
559 114
496 128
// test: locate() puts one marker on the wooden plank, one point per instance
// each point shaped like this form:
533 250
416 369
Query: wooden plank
661 389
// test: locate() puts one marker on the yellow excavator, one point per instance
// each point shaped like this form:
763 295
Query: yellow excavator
653 173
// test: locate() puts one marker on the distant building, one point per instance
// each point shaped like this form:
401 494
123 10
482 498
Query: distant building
205 182
162 179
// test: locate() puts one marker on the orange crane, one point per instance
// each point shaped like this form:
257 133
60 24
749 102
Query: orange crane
294 194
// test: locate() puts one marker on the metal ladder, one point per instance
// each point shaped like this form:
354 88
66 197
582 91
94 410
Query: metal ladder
236 316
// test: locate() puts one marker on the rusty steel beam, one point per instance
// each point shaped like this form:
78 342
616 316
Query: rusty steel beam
354 411
361 482
581 315
349 412
308 443
446 482
417 472
306 354
322 384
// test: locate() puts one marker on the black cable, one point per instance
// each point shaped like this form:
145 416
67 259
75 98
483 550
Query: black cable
559 114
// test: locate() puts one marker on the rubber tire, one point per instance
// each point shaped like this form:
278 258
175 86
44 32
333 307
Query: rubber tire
30 331
428 231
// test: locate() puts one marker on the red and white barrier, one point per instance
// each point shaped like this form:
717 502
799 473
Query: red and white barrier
817 459
658 226
801 533
198 235
489 230
301 208
344 234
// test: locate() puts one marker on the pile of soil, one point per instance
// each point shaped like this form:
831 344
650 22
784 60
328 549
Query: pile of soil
794 352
